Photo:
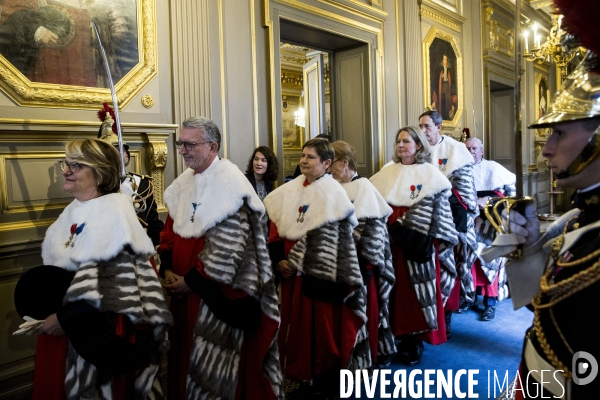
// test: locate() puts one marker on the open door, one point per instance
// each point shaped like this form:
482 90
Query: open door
352 107
314 96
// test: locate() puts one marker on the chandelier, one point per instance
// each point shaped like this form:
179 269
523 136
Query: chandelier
551 49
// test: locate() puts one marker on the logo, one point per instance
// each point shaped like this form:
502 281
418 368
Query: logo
584 367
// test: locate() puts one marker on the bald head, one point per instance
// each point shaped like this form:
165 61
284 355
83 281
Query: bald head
475 147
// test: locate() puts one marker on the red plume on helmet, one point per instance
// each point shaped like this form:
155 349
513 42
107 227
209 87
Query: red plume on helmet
580 17
108 110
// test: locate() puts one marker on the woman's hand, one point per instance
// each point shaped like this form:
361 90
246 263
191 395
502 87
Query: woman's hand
51 326
285 269
175 284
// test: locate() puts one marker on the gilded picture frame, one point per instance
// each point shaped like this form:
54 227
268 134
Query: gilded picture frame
128 26
542 100
443 72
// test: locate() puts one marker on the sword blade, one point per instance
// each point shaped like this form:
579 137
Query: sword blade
113 92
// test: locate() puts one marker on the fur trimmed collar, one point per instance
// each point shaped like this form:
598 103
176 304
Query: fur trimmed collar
323 201
101 228
489 175
367 201
449 155
406 185
209 198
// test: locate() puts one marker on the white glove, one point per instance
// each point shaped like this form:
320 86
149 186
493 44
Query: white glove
29 327
525 227
522 230
126 187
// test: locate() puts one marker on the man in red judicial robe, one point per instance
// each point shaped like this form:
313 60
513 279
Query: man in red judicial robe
491 180
453 160
217 271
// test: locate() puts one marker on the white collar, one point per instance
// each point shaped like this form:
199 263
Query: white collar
587 189
197 202
103 226
406 185
295 209
368 202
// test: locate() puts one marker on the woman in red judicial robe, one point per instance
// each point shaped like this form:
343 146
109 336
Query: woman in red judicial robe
373 249
422 233
322 293
107 338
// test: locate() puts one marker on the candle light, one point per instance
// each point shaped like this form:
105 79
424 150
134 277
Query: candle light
535 34
526 36
559 23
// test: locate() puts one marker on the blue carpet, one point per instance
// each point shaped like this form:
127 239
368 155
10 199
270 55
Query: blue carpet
492 347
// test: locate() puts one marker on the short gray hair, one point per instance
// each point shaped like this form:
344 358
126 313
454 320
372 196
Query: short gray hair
479 142
209 129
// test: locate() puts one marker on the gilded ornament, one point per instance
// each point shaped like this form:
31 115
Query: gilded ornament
147 101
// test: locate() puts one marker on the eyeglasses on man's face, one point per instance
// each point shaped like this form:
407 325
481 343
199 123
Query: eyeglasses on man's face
188 146
72 166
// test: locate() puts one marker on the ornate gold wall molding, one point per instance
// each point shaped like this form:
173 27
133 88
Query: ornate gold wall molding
157 153
435 15
24 92
499 36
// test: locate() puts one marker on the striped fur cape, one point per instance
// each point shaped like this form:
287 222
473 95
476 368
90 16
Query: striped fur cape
110 256
429 214
454 160
235 254
373 246
324 245
466 250
491 176
227 213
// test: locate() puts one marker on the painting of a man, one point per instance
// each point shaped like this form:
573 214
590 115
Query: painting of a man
444 98
542 101
52 41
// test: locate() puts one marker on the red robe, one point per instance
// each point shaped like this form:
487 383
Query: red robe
251 381
315 336
406 315
51 354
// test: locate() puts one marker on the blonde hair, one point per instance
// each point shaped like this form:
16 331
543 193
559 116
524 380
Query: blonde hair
101 157
345 152
423 155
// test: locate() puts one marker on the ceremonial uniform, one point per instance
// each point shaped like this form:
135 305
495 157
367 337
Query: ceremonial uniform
223 339
565 315
102 243
423 235
375 259
148 217
491 180
454 161
323 306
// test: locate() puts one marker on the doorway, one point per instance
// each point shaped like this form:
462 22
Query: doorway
501 143
348 73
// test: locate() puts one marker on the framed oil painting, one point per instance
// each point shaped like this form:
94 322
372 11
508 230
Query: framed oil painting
541 101
443 76
49 53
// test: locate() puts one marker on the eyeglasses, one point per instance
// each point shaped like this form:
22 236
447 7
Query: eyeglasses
72 166
188 146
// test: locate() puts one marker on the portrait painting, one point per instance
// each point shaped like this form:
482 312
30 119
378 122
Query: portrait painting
443 71
542 98
53 42
541 101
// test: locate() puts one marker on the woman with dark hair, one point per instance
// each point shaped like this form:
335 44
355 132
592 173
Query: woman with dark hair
372 246
262 171
323 311
107 337
422 236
